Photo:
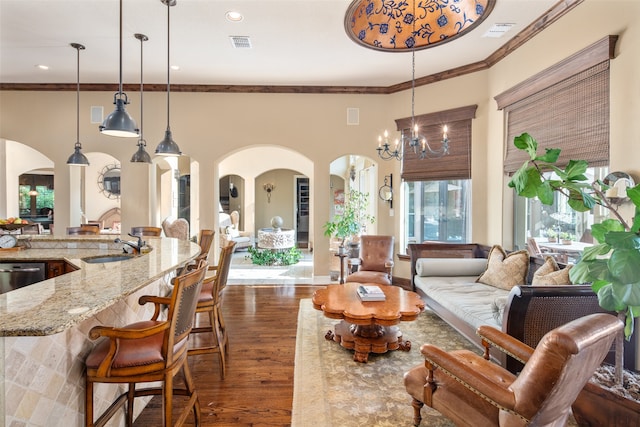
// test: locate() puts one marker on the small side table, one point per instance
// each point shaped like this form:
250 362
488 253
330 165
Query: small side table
342 257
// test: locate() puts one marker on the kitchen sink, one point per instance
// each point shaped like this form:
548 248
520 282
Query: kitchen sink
107 258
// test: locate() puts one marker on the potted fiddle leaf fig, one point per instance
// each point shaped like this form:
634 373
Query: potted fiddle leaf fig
611 266
352 220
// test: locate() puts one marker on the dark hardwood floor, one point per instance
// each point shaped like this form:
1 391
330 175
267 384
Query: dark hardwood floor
258 388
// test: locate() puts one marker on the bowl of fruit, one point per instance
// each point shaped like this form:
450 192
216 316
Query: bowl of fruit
13 223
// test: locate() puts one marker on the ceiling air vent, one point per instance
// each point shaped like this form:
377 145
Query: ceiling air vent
240 42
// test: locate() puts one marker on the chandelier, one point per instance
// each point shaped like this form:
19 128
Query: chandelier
421 147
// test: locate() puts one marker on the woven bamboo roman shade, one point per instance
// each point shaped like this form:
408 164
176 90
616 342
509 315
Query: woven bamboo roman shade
456 164
570 113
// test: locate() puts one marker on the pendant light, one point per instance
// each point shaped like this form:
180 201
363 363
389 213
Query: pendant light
77 158
119 123
141 156
168 147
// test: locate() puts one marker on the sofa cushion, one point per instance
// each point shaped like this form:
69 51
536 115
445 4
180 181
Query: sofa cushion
464 297
550 274
505 271
443 267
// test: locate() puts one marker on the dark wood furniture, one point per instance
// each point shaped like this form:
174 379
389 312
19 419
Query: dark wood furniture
368 327
472 391
530 312
210 303
148 351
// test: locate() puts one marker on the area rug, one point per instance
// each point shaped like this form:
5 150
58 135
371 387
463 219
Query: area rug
331 389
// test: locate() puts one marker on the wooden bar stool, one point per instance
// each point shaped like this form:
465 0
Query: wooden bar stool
148 351
83 230
146 231
210 302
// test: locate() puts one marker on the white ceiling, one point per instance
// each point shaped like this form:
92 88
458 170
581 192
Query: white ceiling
294 42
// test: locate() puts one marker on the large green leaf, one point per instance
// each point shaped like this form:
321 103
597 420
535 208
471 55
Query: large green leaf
545 193
624 266
627 294
589 271
608 300
575 170
550 156
634 194
526 143
599 231
623 240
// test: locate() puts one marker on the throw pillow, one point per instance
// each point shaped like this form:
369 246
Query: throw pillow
550 274
232 232
505 271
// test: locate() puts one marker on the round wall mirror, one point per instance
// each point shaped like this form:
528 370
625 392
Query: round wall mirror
109 181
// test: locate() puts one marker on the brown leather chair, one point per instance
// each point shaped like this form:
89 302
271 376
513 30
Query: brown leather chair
473 391
146 231
210 302
148 351
376 261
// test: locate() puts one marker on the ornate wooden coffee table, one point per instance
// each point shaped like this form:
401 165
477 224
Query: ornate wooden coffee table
368 327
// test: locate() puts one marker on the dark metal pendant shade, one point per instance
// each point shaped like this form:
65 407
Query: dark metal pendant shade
141 156
168 146
77 158
119 123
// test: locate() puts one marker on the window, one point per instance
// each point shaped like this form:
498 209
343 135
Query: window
438 210
533 219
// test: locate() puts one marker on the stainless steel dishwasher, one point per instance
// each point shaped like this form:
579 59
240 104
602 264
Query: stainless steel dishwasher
19 274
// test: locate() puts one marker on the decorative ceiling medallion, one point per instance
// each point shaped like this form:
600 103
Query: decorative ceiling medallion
401 25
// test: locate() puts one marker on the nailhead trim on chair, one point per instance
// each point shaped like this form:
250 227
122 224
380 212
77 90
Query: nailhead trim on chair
496 404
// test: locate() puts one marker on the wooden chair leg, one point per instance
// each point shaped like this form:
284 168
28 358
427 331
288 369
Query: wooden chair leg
223 329
131 394
215 329
417 406
191 389
88 407
167 400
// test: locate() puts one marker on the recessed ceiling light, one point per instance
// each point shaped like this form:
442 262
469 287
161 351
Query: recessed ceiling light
233 16
175 67
42 67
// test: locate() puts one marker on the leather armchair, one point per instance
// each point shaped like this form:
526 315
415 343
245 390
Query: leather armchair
473 391
376 261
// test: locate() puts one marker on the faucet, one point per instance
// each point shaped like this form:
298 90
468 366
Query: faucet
136 247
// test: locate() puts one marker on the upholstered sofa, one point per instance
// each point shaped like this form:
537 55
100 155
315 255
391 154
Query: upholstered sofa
445 276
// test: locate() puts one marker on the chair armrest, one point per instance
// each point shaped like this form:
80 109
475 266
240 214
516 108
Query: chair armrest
504 342
157 301
126 333
388 263
496 392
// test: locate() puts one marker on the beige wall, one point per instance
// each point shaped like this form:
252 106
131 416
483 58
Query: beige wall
212 127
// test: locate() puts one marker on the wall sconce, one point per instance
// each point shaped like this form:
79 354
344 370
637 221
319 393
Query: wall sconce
233 191
616 185
386 191
269 187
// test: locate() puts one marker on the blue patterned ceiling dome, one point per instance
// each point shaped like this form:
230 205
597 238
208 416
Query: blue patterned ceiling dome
401 25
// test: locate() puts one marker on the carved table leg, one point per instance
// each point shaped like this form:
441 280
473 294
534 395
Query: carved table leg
365 339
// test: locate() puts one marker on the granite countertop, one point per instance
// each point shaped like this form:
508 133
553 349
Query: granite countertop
58 304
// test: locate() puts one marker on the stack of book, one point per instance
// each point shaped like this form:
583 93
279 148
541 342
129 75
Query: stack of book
370 293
